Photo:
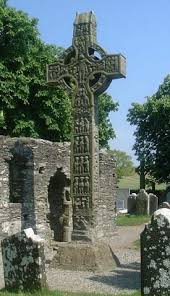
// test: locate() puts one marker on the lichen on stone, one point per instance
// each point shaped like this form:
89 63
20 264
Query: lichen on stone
146 290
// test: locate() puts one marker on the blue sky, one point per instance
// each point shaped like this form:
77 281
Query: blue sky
138 29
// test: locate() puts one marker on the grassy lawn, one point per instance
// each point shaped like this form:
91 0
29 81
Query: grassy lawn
133 182
131 220
136 244
58 293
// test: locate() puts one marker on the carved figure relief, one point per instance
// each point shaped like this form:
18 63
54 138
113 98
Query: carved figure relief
76 185
77 101
81 144
85 202
81 125
81 185
86 144
76 127
86 125
86 164
76 165
81 164
81 168
80 222
86 102
86 185
76 145
82 202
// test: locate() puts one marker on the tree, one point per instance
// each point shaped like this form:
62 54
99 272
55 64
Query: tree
3 3
106 131
124 164
28 106
152 134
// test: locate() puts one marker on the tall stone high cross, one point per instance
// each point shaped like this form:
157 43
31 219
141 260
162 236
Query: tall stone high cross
86 65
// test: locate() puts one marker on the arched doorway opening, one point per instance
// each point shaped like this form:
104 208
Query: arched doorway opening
58 198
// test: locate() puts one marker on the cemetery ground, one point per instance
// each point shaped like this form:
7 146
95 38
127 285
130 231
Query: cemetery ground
132 220
124 280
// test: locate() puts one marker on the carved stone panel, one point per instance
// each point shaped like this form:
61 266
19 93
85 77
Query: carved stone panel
92 70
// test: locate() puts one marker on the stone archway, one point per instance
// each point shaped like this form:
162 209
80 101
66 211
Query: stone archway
58 198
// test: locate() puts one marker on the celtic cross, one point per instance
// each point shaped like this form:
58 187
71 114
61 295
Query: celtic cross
86 65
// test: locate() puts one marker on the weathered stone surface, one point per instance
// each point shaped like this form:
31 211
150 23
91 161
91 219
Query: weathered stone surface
153 203
44 194
36 195
132 204
105 205
142 203
84 257
122 198
165 205
24 261
166 197
155 255
91 76
10 219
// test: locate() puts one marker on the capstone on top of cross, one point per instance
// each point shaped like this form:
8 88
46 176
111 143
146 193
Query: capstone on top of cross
85 27
85 17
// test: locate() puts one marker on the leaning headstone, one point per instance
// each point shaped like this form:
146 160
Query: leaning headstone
155 255
24 261
153 203
142 203
132 204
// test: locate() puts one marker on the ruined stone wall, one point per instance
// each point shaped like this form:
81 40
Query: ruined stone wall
10 219
105 204
34 180
29 168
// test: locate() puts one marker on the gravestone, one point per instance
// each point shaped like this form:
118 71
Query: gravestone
86 65
155 255
132 204
122 197
153 203
165 205
142 203
167 194
24 261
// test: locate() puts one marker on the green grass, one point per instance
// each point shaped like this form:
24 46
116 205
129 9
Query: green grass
136 244
59 293
131 220
133 182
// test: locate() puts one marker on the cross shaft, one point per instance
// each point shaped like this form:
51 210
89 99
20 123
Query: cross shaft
91 74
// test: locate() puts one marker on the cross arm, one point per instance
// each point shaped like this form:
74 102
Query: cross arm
113 66
56 71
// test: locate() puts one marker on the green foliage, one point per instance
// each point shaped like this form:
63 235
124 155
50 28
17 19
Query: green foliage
132 220
3 3
152 120
106 131
124 164
28 106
